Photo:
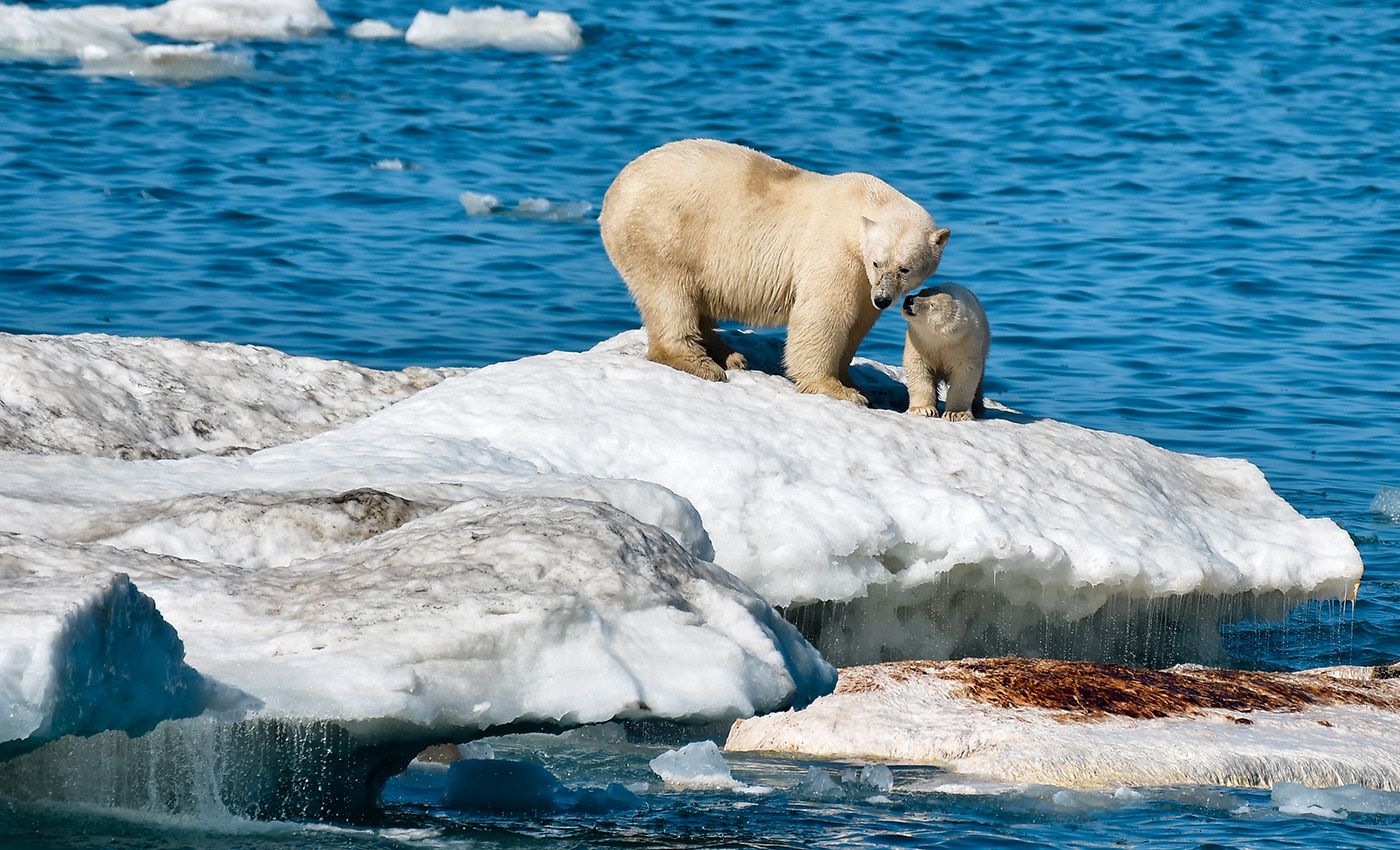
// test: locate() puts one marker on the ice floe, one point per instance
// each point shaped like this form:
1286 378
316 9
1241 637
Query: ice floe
430 556
885 535
503 29
104 37
1102 726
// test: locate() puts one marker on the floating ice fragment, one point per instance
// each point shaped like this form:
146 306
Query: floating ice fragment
477 203
175 62
1292 798
546 210
1387 503
505 29
534 209
695 766
817 785
394 164
373 29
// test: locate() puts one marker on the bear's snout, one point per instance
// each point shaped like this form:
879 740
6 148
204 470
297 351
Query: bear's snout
882 301
909 306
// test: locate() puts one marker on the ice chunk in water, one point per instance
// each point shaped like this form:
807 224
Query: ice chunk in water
1294 799
694 766
373 29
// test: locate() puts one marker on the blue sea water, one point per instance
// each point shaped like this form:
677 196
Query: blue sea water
1182 218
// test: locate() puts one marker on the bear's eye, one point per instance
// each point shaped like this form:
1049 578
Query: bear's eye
904 271
876 264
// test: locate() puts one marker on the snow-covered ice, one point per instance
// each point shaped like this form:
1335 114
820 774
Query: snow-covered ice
1100 726
158 398
503 29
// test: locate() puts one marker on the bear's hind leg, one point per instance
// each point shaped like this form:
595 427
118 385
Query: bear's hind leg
716 347
964 394
673 332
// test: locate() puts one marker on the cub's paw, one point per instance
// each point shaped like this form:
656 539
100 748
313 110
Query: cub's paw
958 416
707 369
735 360
921 410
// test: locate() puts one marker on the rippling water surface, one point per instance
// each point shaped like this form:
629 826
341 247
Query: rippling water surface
1183 219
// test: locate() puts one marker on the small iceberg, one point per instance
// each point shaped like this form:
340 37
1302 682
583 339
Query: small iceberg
1095 726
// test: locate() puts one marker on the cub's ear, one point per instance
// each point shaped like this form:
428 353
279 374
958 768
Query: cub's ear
939 238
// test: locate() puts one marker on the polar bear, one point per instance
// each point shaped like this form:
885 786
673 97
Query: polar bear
703 230
948 341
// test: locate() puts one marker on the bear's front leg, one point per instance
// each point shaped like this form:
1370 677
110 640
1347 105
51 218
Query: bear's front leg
816 341
865 320
922 382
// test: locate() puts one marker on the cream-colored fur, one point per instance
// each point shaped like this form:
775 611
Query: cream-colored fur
948 341
703 231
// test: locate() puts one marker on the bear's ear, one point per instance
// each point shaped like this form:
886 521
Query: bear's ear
939 238
868 227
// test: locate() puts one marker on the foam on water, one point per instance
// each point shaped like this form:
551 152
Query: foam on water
503 29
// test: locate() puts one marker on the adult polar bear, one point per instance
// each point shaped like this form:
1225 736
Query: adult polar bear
703 230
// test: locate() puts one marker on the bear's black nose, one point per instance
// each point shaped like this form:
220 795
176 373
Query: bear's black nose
883 301
909 306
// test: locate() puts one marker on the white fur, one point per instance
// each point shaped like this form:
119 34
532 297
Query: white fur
703 231
947 340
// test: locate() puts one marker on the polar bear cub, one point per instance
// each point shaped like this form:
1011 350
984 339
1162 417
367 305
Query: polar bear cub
703 231
948 341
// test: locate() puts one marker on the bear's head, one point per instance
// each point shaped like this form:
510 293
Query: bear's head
899 254
935 306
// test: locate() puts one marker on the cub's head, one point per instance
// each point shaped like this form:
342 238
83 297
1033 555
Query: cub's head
899 253
933 306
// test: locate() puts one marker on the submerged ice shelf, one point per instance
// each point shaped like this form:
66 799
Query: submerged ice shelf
424 556
1103 726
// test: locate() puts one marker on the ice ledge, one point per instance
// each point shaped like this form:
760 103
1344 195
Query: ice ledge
85 654
1102 726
